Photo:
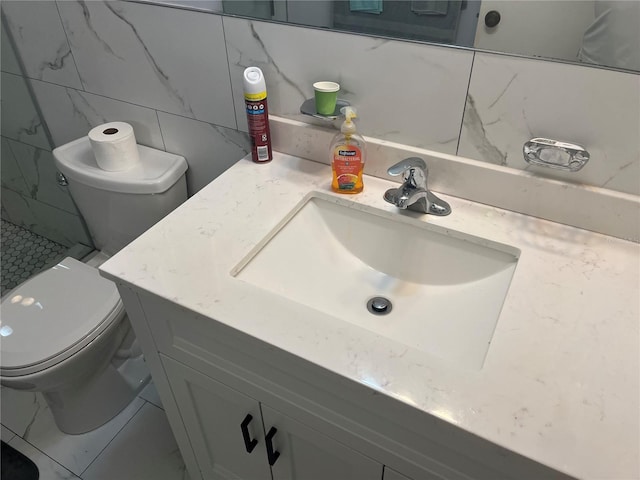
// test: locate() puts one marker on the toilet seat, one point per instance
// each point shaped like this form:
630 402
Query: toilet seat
54 315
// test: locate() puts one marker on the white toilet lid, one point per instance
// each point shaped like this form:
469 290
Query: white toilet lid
53 315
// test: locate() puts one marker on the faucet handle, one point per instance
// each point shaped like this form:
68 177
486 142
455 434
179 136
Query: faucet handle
404 165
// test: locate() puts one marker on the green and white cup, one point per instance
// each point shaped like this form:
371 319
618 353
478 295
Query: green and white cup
326 94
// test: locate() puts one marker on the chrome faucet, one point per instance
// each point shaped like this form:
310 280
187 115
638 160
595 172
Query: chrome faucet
413 194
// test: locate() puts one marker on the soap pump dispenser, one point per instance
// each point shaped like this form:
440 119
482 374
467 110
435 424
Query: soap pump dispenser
348 152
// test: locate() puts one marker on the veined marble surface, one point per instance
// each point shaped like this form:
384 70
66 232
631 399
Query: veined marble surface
41 41
41 218
404 92
135 444
11 174
39 173
9 60
596 108
149 59
599 210
70 114
20 119
138 62
560 383
210 149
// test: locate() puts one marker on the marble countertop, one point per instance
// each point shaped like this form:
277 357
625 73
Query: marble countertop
560 383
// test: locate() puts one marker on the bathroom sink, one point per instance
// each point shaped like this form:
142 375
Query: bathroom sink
441 291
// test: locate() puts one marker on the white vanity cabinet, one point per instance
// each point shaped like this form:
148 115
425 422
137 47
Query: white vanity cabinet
224 391
342 395
235 436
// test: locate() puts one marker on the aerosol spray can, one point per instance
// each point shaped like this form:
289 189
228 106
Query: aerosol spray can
255 99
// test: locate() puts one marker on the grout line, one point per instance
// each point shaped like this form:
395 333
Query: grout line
15 159
27 197
116 435
164 145
156 406
14 433
156 110
226 53
42 452
27 80
20 162
152 403
464 109
149 401
66 36
89 92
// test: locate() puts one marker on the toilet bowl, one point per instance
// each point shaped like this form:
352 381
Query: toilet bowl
60 332
64 332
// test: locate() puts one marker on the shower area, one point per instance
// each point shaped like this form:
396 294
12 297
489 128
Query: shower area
40 224
23 254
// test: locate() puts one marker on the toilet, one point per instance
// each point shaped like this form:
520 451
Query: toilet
65 332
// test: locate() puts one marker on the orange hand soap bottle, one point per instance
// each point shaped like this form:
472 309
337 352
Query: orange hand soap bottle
347 156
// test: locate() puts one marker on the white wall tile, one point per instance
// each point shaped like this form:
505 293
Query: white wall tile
165 58
41 41
11 177
404 92
8 57
39 172
20 119
70 114
53 223
512 100
16 208
209 149
175 61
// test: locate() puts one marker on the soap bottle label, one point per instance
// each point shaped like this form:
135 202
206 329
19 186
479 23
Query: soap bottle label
347 169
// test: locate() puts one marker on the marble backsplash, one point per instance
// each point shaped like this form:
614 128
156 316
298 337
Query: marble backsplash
175 75
511 100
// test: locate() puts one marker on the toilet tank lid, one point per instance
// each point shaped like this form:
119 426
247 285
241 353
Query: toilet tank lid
156 172
59 309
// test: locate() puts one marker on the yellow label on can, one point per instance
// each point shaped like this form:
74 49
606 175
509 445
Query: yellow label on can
254 97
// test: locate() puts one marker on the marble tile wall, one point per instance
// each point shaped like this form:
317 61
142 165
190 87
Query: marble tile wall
404 92
176 76
511 100
30 195
20 119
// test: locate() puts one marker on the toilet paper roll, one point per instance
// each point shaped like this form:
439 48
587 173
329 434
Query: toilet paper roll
114 146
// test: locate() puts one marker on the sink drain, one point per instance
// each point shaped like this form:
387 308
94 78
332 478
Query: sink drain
379 305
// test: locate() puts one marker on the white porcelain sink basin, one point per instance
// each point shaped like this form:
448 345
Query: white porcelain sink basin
446 288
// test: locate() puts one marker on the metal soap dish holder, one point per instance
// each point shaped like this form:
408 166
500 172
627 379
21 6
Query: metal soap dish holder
555 154
308 107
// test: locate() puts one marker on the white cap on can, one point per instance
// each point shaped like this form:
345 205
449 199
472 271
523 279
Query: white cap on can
254 85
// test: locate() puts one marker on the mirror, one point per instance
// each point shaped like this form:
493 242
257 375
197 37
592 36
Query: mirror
603 33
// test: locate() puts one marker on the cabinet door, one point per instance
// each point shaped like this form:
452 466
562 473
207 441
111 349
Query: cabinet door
306 454
213 414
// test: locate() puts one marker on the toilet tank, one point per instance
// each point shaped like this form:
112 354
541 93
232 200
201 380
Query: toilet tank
119 206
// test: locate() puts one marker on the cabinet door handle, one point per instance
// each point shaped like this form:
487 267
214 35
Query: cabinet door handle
272 455
249 444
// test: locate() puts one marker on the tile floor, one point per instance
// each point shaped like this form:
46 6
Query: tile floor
135 445
24 254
